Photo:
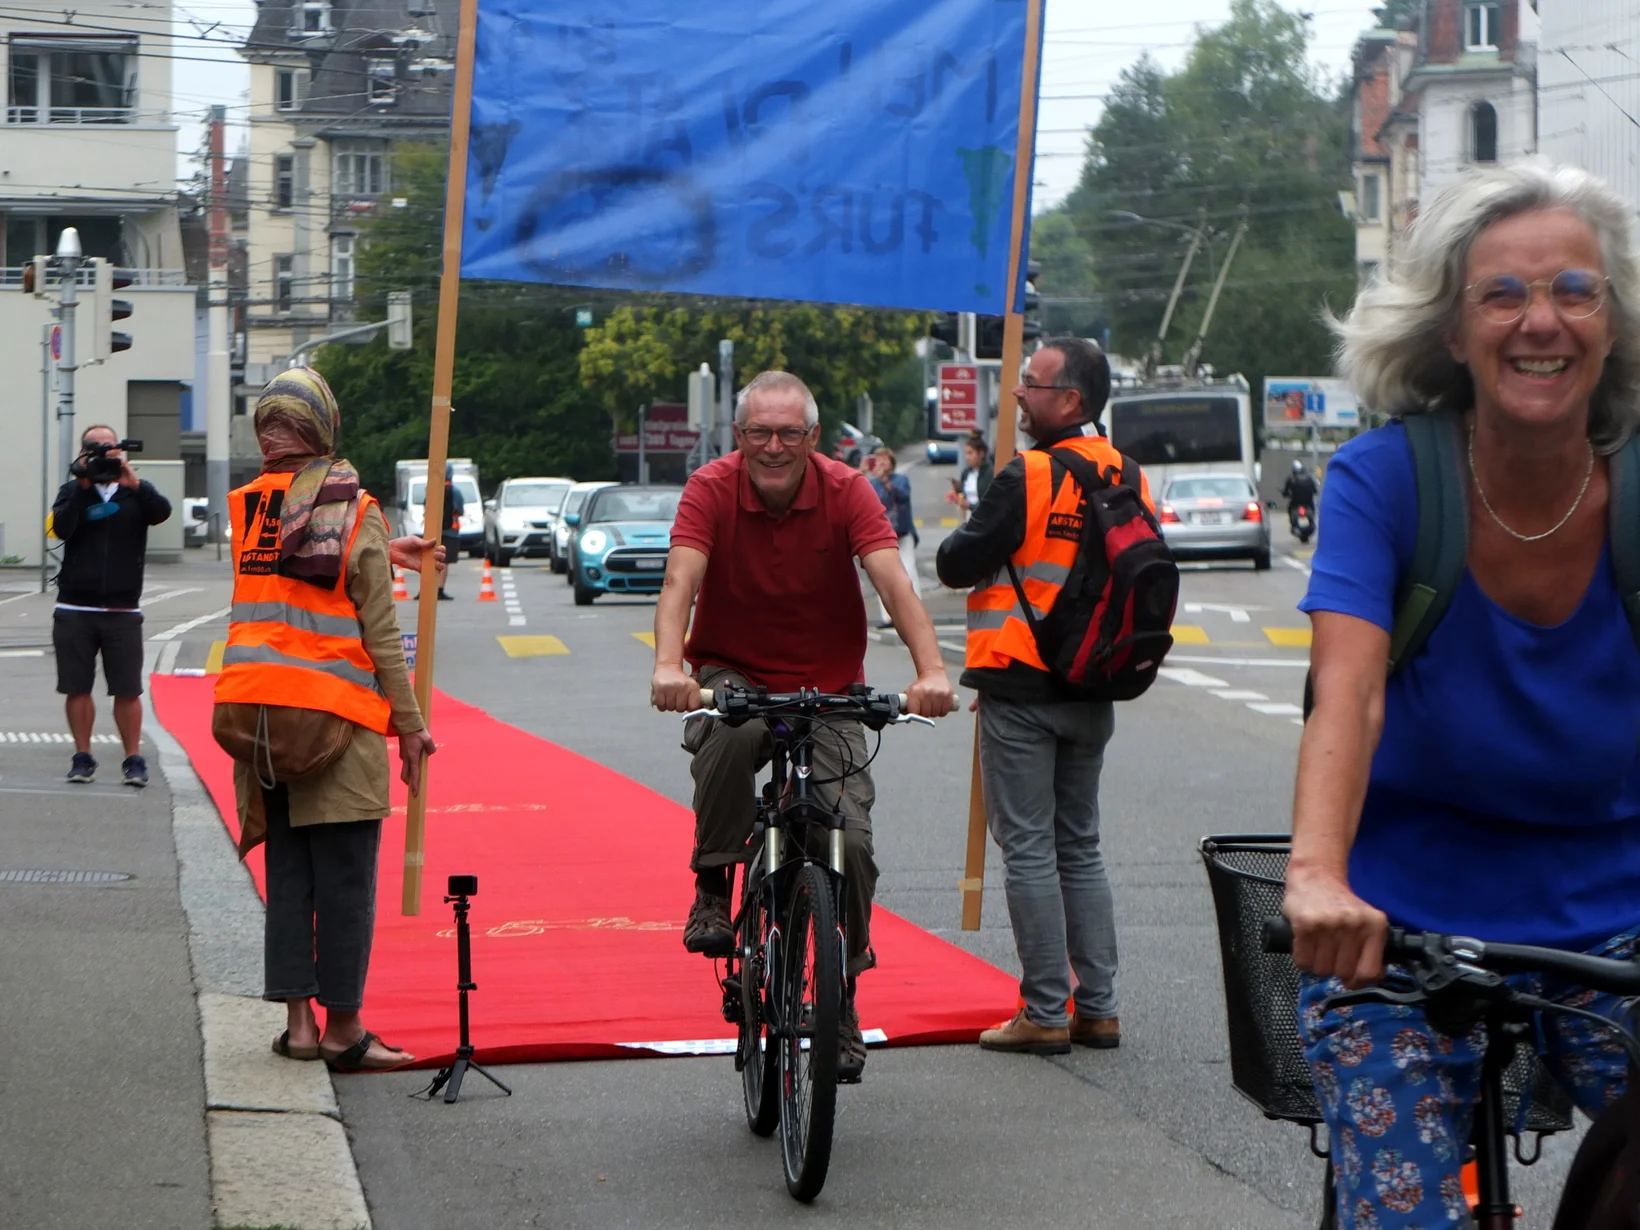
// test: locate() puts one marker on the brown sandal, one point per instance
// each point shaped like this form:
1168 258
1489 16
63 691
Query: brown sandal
355 1058
282 1046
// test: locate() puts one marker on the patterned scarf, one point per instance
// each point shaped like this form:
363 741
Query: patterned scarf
297 421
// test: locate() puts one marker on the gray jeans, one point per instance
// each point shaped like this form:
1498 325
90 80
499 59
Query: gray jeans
1040 766
727 761
321 906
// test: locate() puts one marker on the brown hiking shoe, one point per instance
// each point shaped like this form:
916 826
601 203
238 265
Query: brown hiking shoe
708 929
1101 1033
851 1045
1024 1036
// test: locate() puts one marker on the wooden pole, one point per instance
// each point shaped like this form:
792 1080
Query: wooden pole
1013 344
438 437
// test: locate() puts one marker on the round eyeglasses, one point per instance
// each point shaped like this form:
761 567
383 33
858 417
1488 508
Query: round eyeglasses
1503 298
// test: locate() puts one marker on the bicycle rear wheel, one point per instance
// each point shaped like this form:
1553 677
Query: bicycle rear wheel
756 1053
811 995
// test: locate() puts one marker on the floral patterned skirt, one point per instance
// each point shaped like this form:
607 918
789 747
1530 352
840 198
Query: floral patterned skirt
1399 1095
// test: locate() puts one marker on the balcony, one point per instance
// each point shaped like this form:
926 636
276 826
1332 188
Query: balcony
141 279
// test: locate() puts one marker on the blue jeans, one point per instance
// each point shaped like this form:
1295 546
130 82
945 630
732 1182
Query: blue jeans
1399 1095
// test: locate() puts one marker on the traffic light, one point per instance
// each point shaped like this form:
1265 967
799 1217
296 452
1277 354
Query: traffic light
34 276
1033 301
946 328
106 280
988 337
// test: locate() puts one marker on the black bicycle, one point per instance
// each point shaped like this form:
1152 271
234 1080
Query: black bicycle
784 983
1458 982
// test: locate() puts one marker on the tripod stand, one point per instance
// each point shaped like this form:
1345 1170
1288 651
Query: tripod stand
449 1079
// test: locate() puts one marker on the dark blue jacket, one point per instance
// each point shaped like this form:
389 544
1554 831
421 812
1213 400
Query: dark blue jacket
896 498
104 544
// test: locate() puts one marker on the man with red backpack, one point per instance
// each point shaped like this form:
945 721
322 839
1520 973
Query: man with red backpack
1056 631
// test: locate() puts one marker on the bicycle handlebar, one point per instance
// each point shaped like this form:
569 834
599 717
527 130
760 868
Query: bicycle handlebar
873 709
1617 977
706 701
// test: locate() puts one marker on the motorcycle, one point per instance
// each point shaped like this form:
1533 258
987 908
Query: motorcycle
1302 518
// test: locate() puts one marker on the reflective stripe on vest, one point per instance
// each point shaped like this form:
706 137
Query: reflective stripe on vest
998 636
291 642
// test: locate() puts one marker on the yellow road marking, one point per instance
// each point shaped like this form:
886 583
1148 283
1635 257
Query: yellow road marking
1189 634
950 521
648 638
532 646
1289 638
213 660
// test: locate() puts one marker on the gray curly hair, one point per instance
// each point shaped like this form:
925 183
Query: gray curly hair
1392 346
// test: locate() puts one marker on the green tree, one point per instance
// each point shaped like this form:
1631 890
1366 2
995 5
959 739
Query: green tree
1071 302
1248 124
519 404
638 354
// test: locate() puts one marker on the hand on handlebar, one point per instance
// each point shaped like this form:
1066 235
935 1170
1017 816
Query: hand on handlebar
1335 933
932 695
671 690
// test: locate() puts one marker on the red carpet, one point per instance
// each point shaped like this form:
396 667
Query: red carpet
583 887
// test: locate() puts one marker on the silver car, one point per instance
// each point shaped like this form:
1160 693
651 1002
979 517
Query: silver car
1214 516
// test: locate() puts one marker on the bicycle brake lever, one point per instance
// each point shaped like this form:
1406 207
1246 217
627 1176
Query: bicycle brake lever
695 713
1372 995
913 717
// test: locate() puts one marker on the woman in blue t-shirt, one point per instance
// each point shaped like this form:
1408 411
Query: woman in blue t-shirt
1491 787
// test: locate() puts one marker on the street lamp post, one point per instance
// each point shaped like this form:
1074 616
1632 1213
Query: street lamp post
1198 234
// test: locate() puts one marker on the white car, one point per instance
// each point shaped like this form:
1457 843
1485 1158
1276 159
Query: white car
196 521
520 517
574 502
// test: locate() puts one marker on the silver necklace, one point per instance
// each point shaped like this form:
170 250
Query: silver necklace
1492 512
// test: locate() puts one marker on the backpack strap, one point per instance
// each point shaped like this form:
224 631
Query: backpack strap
1435 438
1623 522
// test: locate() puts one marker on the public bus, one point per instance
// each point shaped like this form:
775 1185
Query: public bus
1188 427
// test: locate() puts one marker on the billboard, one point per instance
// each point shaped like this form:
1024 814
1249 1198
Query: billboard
667 431
1294 403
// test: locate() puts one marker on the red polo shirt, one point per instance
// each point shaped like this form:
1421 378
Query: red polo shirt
781 601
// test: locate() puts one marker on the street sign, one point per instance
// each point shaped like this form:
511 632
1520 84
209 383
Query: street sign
959 397
666 431
57 343
583 318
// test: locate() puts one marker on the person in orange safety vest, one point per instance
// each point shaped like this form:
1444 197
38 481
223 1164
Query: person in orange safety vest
1041 751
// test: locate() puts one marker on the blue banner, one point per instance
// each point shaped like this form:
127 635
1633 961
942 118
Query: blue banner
846 151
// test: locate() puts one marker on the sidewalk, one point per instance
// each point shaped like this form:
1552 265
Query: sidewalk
140 1082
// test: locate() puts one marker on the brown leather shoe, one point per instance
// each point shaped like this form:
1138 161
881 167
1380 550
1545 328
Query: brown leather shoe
1024 1036
708 929
1101 1033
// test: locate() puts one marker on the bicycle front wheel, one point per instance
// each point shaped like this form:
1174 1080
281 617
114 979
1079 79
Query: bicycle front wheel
811 996
756 1055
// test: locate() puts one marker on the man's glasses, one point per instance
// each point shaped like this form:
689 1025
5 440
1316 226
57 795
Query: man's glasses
1034 387
1503 298
757 437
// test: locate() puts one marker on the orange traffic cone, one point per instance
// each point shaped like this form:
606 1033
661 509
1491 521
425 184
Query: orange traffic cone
401 591
486 586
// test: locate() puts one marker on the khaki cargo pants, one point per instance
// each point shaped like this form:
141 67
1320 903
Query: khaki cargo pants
725 767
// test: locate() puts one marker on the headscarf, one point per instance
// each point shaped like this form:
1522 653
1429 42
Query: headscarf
297 420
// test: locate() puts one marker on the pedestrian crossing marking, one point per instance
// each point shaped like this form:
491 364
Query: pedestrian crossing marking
1289 638
1189 634
532 646
648 638
213 660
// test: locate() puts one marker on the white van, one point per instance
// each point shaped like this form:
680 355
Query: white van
410 501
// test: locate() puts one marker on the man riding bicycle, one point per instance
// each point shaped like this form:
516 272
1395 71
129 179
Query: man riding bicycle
767 538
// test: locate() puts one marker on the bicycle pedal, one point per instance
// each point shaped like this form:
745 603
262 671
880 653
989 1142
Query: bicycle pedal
732 1011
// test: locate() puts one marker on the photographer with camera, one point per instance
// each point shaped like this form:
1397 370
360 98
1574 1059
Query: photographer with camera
102 515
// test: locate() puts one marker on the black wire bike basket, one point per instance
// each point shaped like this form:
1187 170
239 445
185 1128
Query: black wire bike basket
1267 1066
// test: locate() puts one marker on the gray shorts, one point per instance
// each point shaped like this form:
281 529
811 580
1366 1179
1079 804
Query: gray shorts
78 636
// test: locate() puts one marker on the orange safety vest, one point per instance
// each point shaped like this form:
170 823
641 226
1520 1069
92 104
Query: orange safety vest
291 642
998 635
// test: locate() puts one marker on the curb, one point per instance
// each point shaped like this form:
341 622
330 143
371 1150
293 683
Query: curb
279 1155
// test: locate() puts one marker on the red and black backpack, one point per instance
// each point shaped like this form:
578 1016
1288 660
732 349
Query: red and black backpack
1107 632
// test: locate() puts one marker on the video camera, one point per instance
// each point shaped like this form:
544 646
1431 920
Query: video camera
95 463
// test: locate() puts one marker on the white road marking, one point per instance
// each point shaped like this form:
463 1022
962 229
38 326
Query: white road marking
1302 663
516 621
1294 563
173 593
1238 614
1190 678
22 653
1277 709
48 736
170 634
952 646
168 657
1233 694
19 597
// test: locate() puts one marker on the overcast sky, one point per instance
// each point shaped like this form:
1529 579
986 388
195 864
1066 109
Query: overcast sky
1087 44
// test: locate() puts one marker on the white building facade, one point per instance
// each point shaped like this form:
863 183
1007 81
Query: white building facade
1589 90
89 142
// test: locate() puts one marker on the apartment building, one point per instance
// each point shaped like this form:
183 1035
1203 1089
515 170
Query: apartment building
334 85
89 141
1452 87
